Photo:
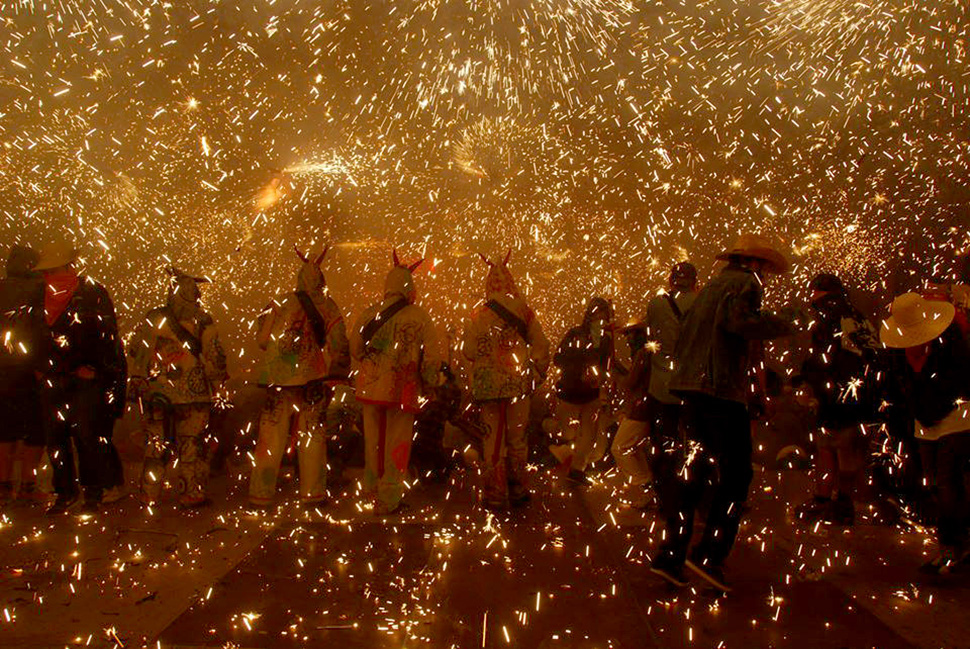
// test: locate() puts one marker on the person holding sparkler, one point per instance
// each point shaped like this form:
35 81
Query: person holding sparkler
305 348
930 357
177 367
83 376
714 356
395 344
509 356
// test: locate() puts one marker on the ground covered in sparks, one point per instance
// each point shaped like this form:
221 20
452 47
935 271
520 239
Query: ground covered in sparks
570 570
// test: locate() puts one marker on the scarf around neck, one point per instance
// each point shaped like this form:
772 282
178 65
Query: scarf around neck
59 288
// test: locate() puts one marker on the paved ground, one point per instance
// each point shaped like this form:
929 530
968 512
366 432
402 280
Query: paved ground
568 571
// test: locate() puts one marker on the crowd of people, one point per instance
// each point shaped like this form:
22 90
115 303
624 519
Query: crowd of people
673 410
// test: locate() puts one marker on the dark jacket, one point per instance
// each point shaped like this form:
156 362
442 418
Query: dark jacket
579 363
931 394
21 323
87 334
838 364
713 352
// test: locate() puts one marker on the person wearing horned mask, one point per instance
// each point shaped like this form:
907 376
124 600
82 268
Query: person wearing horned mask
305 349
177 365
509 357
396 347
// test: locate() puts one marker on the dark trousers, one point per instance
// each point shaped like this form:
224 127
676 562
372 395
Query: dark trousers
665 455
947 461
715 461
74 410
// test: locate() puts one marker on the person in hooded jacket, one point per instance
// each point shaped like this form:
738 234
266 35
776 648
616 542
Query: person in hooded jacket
177 367
585 360
715 351
21 331
83 378
929 370
509 356
396 347
652 430
836 368
305 349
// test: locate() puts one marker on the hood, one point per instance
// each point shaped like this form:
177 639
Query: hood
310 279
598 309
21 262
184 293
499 281
400 283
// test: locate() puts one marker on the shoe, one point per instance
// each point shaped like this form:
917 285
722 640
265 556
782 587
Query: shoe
941 565
89 507
310 505
63 503
640 498
195 504
6 492
669 572
813 509
114 494
578 477
520 500
259 507
711 574
842 512
384 510
29 493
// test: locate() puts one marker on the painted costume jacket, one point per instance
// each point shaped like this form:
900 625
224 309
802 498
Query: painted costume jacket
402 360
293 356
504 363
176 369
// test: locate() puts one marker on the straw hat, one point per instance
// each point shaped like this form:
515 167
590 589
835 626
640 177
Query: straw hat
915 321
56 254
760 247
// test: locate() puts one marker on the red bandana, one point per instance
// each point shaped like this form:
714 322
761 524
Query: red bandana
58 290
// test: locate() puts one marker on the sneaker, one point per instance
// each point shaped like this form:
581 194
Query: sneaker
669 572
711 574
114 494
29 493
578 477
63 503
195 504
813 509
89 507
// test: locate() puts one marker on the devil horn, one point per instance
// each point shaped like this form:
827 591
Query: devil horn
507 257
300 254
323 255
413 267
485 259
397 262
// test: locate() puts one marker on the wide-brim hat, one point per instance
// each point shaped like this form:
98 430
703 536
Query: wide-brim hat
177 273
758 246
915 321
56 254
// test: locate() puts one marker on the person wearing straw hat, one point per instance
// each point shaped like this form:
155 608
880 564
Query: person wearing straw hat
84 376
305 353
715 353
177 366
930 365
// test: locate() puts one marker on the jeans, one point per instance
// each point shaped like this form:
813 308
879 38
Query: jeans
715 459
74 411
947 460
